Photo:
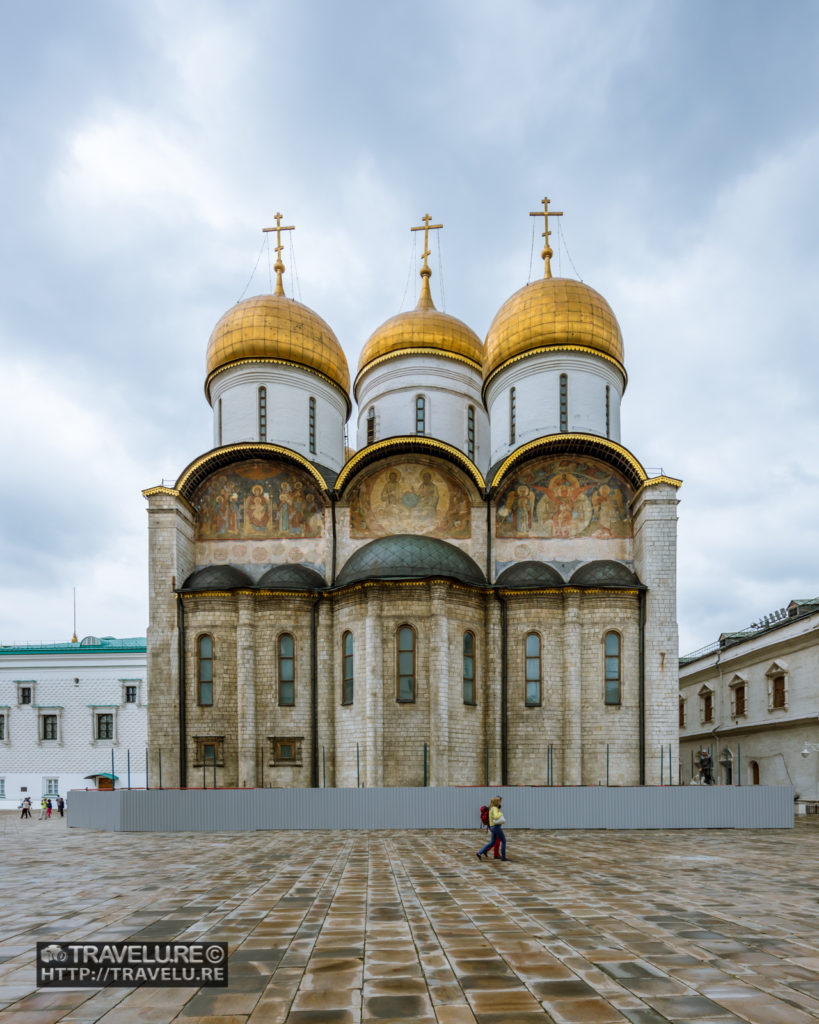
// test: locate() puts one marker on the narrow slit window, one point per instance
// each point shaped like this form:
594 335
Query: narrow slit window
347 669
262 414
371 425
533 677
219 423
406 664
469 668
564 403
287 675
470 432
608 411
420 414
512 416
312 425
612 674
206 670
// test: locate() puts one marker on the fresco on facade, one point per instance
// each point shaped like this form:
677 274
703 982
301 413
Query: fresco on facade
410 498
258 500
564 496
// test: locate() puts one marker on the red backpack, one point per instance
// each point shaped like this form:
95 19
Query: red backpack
485 816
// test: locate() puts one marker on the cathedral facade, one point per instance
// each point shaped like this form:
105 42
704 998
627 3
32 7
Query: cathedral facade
483 591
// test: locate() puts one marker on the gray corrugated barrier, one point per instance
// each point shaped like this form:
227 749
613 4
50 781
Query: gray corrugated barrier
597 807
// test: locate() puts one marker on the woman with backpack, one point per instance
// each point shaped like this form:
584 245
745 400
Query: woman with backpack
496 819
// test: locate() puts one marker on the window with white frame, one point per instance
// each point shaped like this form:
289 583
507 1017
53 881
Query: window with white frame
4 726
739 696
50 725
706 695
25 691
51 787
777 676
2 789
131 691
103 723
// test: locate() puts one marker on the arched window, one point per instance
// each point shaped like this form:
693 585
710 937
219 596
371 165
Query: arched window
608 411
420 414
564 403
371 425
263 414
312 425
754 773
205 671
405 663
469 668
347 667
470 432
512 416
533 676
612 672
287 674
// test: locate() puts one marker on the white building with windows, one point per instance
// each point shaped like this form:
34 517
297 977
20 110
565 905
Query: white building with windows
751 700
64 708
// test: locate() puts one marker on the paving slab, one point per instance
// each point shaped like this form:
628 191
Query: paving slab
639 927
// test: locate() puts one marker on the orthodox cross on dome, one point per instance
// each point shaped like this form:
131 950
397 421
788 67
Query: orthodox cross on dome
425 299
278 266
547 249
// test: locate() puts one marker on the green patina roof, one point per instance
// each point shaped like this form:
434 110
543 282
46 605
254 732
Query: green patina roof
88 645
405 556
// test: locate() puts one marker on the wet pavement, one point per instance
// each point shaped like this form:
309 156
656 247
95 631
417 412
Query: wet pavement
337 928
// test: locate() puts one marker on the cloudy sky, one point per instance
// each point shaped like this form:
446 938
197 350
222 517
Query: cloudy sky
145 143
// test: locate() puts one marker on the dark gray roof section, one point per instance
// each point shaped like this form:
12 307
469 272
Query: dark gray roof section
530 574
409 557
604 573
291 577
217 577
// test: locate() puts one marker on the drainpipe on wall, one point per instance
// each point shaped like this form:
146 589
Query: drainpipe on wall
642 696
183 733
314 775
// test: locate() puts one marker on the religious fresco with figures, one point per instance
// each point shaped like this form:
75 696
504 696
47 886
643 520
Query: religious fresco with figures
564 496
258 501
410 497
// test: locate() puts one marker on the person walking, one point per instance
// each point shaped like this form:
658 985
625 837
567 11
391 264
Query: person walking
496 819
26 806
42 810
61 806
49 809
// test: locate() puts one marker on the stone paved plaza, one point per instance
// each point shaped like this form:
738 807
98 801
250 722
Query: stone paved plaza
332 927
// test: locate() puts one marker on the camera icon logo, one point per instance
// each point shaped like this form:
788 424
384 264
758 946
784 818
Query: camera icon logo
53 954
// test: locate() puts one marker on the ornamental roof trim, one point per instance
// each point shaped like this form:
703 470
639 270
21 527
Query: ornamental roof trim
408 442
196 471
587 444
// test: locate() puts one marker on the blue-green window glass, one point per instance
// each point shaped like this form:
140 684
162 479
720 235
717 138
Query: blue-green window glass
406 663
564 402
262 414
420 414
105 727
470 432
312 425
347 668
205 670
287 674
209 753
469 668
532 669
612 668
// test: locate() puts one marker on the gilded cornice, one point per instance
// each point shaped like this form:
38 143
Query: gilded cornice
587 444
171 492
407 442
657 481
426 351
276 362
193 474
541 349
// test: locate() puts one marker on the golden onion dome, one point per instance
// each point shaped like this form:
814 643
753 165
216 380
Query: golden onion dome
552 313
424 330
275 328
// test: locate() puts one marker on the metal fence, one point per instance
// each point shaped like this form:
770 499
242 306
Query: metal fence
582 807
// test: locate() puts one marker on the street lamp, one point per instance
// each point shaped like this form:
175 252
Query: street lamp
809 748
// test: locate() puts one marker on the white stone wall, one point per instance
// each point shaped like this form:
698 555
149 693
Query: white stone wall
774 738
289 390
536 381
73 684
449 388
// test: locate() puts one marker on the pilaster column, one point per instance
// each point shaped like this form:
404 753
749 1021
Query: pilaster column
246 690
490 698
373 769
329 692
439 686
572 741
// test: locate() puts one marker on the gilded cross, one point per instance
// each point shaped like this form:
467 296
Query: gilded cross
426 227
547 249
278 266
